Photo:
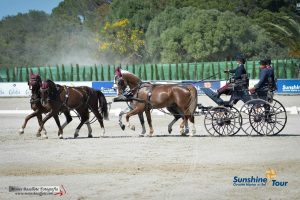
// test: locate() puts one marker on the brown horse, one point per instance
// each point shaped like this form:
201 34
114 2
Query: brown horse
55 97
34 84
148 96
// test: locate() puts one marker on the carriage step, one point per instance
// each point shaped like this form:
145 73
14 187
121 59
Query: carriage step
211 94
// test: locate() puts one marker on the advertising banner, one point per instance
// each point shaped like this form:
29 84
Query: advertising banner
106 87
19 89
288 86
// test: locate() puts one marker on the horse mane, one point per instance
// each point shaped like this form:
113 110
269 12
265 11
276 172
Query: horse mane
52 89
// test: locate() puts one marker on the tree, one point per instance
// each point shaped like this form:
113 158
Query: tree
286 30
118 38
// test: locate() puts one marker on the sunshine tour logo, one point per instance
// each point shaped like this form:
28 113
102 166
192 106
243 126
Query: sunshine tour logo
269 180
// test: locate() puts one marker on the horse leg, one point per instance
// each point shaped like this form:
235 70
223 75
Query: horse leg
192 120
39 117
141 117
184 121
21 131
148 115
68 119
48 116
135 111
120 117
84 115
99 118
89 128
60 130
176 117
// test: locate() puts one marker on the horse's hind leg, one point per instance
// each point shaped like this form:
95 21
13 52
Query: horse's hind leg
141 117
192 120
84 115
148 115
99 118
176 117
68 119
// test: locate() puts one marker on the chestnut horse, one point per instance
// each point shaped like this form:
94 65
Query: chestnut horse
147 96
34 84
54 97
173 110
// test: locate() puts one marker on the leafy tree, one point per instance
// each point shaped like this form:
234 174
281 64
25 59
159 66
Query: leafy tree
118 38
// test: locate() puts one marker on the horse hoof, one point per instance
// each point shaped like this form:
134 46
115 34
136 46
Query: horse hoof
21 131
44 137
170 131
76 135
38 135
60 137
90 135
132 127
123 127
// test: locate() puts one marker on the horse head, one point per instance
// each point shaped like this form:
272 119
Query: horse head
48 91
34 82
125 78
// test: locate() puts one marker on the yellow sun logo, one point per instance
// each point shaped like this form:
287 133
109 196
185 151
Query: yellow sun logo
270 174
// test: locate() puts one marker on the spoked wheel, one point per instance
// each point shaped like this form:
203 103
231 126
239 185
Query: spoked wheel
220 121
238 120
281 117
257 117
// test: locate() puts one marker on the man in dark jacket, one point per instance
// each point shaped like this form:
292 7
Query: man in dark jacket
266 77
238 72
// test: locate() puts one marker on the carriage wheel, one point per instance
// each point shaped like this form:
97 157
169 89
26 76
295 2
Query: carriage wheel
257 117
238 119
219 121
281 117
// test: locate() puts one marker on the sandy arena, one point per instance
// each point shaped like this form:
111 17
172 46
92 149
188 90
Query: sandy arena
122 165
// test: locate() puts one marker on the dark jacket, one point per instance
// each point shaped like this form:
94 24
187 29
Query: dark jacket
238 72
264 76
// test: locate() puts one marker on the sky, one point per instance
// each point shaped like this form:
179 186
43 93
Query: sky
13 7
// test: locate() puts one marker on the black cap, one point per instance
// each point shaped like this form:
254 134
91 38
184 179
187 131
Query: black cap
263 62
268 61
241 59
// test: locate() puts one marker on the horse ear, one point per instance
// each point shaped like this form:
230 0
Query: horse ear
118 72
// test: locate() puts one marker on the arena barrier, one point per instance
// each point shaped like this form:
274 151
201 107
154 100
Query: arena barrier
20 89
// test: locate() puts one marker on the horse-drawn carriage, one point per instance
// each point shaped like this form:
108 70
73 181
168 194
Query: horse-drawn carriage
260 113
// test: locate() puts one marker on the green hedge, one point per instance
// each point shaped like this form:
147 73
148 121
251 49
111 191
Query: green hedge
179 71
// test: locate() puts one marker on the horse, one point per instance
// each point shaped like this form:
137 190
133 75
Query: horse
147 96
34 84
56 97
130 105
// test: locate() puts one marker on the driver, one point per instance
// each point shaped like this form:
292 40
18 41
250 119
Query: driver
238 72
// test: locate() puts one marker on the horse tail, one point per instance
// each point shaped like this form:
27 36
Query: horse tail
103 104
193 99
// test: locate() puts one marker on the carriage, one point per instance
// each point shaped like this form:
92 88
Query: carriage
260 114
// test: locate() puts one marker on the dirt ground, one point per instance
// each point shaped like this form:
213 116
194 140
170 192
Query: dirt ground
122 165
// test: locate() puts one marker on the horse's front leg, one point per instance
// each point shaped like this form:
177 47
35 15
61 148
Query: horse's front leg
60 130
135 111
21 130
148 115
39 117
120 117
48 116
